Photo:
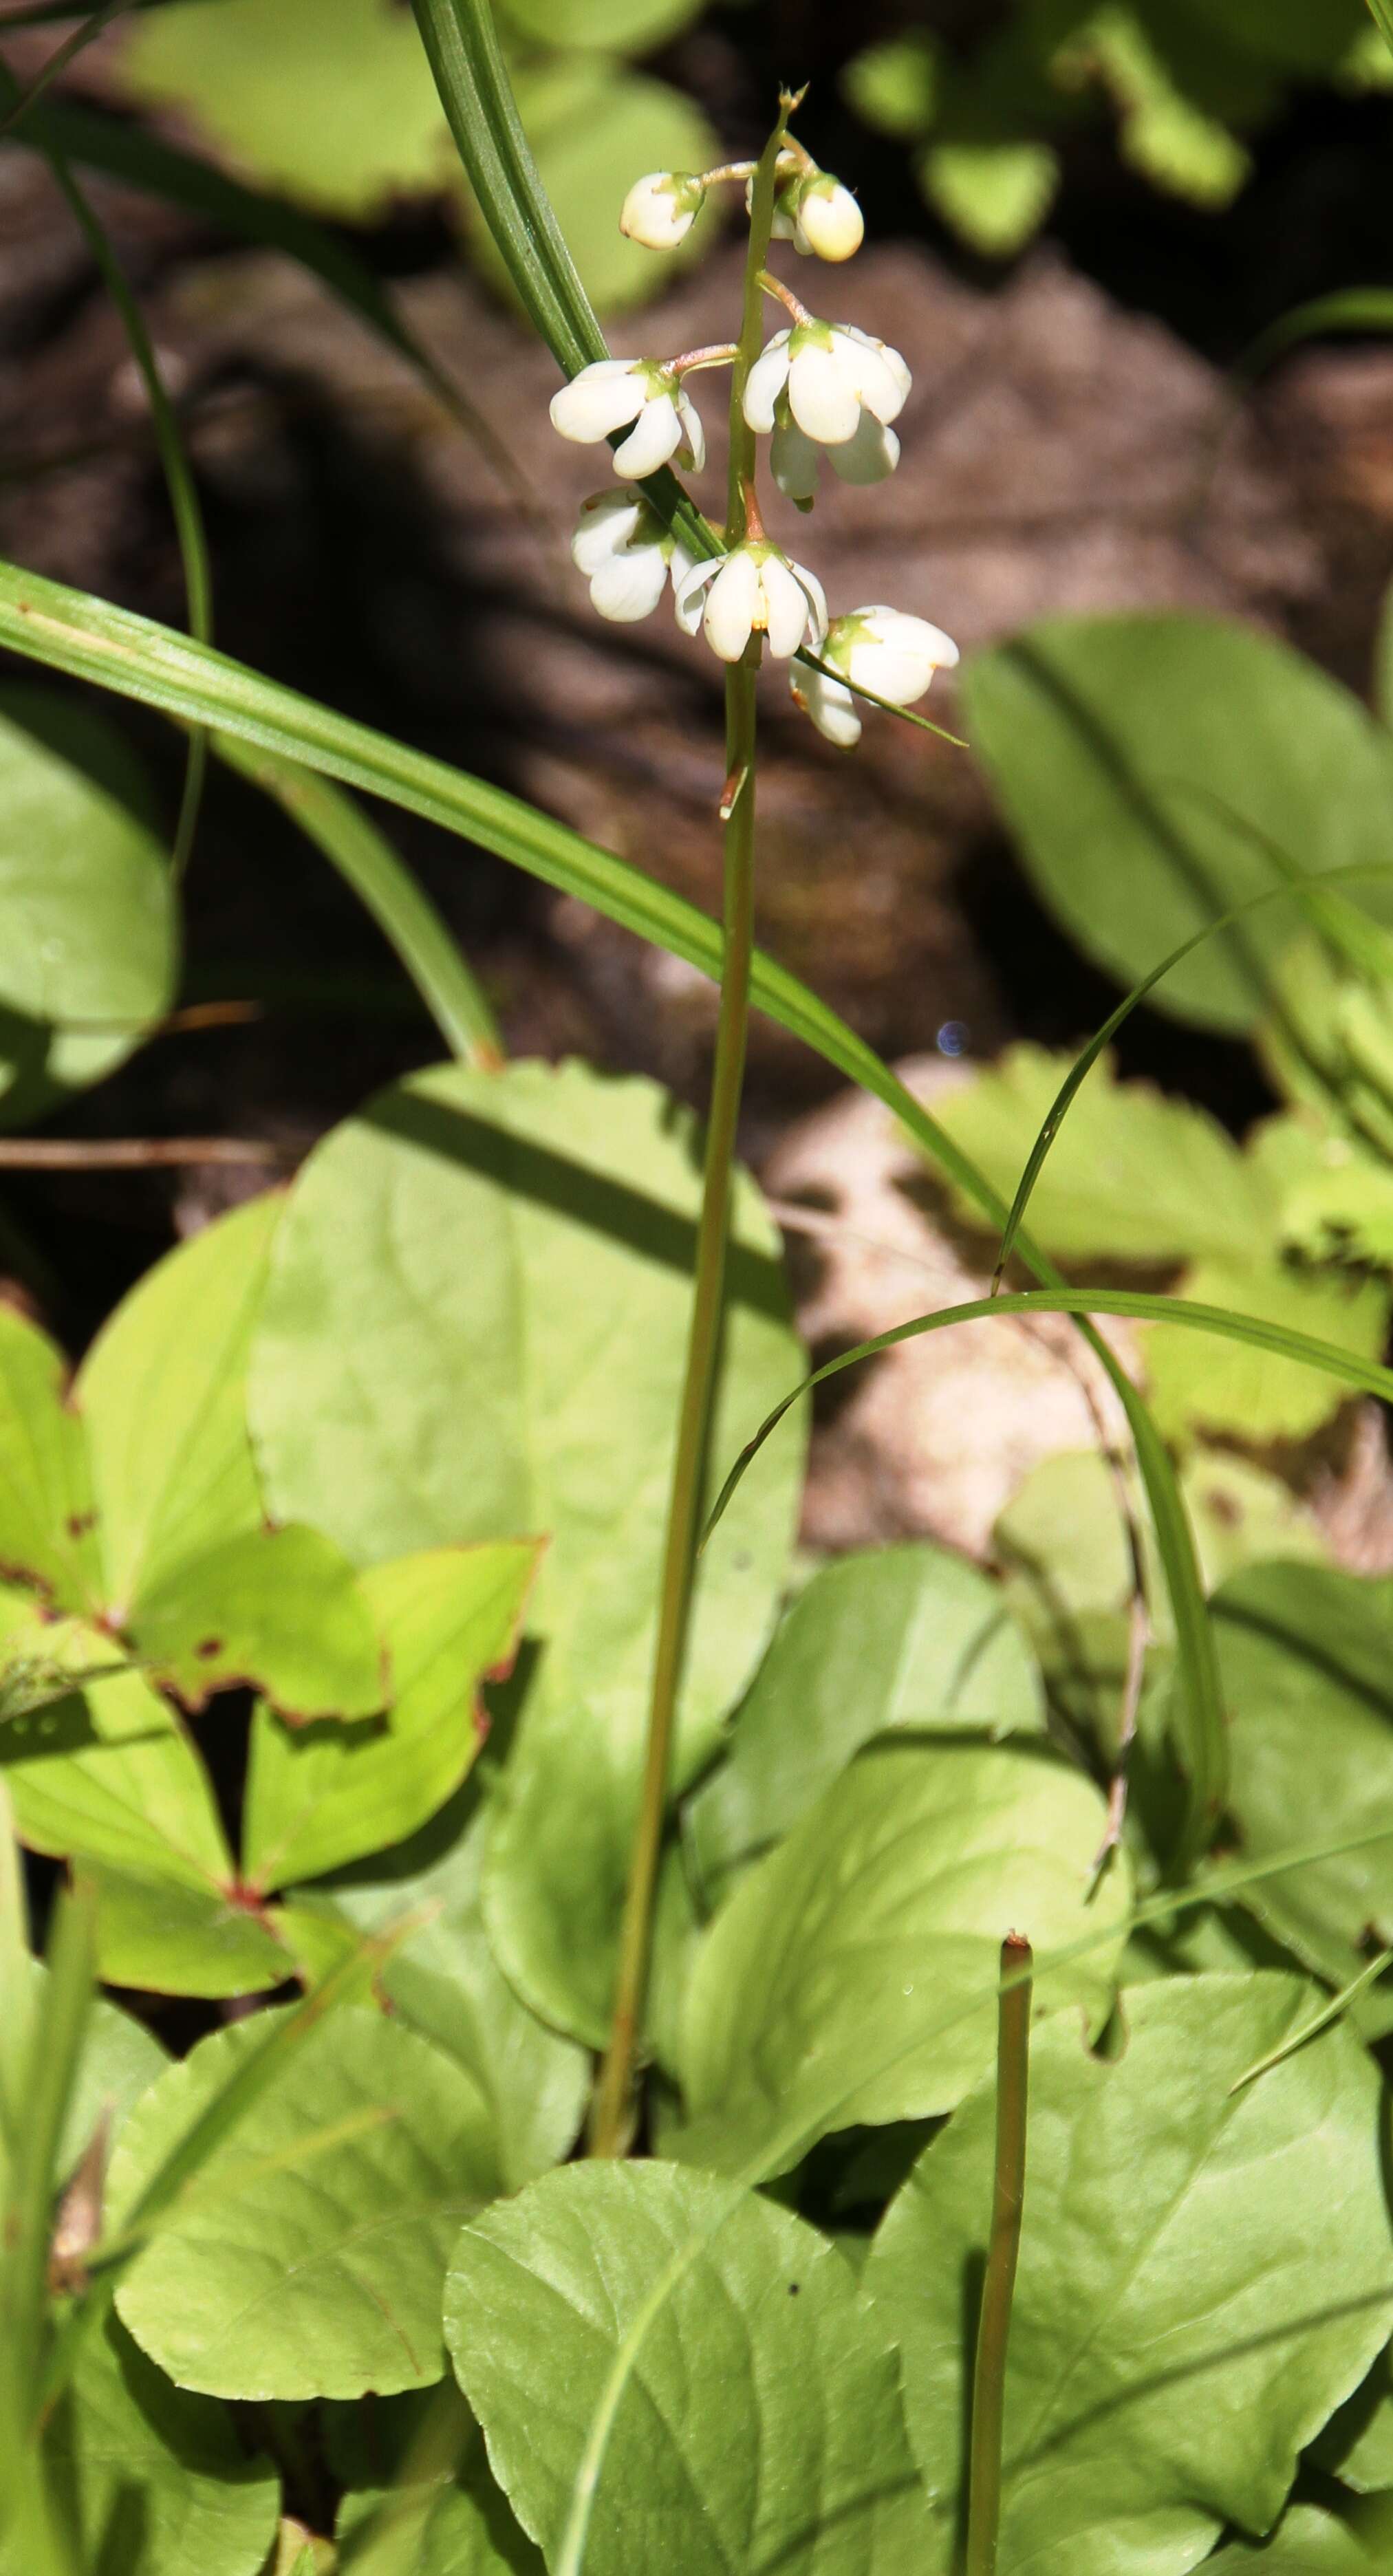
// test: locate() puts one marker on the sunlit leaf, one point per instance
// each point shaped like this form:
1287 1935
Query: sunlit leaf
1202 2276
899 1883
315 2280
892 1637
321 1796
406 1393
760 2425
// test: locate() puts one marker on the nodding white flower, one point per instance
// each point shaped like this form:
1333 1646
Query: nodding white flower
626 554
826 384
754 590
613 391
880 649
661 208
819 216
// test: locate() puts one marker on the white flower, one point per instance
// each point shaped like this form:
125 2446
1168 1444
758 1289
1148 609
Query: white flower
661 208
625 553
827 384
754 590
614 391
817 214
880 649
828 220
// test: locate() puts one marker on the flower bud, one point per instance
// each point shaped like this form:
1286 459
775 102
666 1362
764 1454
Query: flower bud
661 208
828 220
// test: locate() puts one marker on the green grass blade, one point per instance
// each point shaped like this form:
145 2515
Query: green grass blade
49 2078
58 62
1353 308
1370 1376
461 43
1381 11
185 506
402 910
16 2021
46 621
1330 2011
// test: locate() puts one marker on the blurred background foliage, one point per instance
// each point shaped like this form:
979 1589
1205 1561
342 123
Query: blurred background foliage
981 97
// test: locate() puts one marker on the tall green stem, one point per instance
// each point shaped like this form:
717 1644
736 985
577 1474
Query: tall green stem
611 2112
999 2281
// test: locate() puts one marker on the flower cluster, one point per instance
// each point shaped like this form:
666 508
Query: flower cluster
815 387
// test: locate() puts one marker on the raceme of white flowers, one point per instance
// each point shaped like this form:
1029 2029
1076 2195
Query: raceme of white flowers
817 387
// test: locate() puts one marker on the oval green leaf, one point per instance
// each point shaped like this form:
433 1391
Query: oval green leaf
1203 2276
758 2424
320 2278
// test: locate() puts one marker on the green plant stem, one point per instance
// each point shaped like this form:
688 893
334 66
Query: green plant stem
610 2119
998 2286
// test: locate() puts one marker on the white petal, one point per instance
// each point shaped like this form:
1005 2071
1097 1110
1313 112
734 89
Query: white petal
869 456
867 363
732 606
680 563
817 600
821 396
829 221
830 704
599 399
765 383
655 436
693 435
605 524
689 587
785 612
894 626
793 460
654 215
890 671
630 585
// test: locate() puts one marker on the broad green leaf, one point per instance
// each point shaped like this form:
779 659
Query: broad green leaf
156 2483
108 1774
45 1500
1203 2275
327 100
162 1395
321 2279
892 1637
594 126
1201 1385
444 1982
404 1395
759 2425
87 912
888 1903
1341 1207
176 1938
1307 2542
1305 1655
1109 740
279 1610
995 193
1199 1196
321 1796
